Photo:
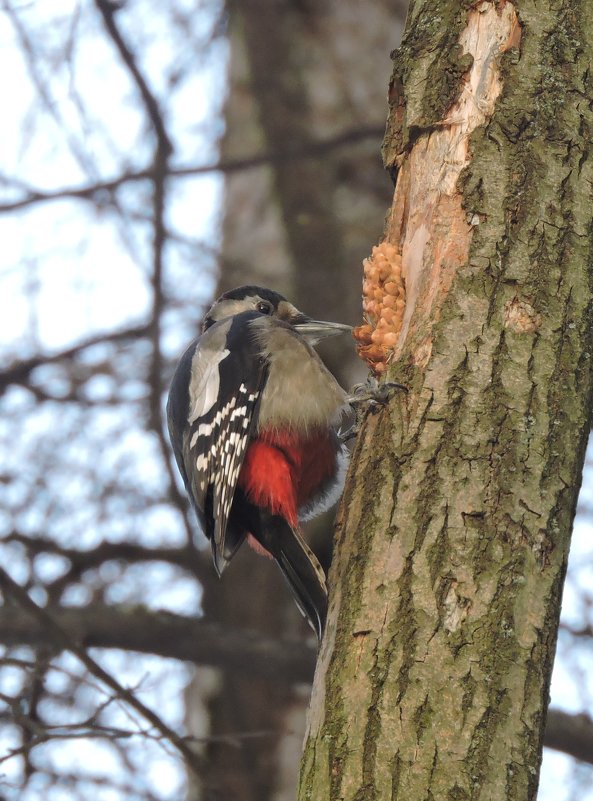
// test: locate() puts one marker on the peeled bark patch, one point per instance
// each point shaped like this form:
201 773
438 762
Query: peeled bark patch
427 223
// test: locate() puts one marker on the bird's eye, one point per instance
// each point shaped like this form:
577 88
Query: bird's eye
264 308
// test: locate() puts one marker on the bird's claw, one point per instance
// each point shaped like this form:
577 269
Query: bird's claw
374 394
371 393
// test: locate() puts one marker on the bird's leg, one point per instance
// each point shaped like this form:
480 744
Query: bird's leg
374 393
372 396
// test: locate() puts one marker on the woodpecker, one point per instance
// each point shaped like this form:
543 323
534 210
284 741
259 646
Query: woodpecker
253 418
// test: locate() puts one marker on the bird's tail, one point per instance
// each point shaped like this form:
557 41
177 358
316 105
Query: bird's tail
300 567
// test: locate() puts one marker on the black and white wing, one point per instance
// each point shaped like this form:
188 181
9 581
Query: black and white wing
212 412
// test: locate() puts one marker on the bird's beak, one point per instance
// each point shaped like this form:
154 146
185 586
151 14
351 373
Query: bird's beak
314 330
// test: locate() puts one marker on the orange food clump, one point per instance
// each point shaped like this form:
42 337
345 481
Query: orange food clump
383 303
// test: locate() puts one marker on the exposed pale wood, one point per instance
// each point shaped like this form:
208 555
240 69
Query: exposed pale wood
427 221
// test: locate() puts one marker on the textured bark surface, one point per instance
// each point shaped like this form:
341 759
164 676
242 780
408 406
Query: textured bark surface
434 674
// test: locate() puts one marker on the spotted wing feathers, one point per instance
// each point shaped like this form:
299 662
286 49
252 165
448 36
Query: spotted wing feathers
217 449
212 412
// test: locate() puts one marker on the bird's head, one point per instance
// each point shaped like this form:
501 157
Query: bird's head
272 304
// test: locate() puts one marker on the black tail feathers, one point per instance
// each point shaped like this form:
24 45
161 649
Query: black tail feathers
300 568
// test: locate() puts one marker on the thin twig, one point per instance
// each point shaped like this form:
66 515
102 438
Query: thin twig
101 189
11 588
18 372
108 11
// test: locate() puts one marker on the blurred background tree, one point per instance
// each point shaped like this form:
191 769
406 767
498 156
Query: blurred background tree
154 155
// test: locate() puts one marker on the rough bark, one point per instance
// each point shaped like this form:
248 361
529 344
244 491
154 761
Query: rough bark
451 549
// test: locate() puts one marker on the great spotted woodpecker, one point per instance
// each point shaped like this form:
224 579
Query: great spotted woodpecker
253 415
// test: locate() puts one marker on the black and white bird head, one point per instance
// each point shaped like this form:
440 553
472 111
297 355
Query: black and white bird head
273 304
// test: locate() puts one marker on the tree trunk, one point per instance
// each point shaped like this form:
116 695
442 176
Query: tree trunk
452 546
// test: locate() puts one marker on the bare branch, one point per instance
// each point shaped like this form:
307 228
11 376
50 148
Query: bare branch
61 636
159 174
108 11
165 634
571 734
582 631
99 191
189 558
203 643
19 372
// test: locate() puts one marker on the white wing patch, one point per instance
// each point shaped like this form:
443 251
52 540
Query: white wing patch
205 382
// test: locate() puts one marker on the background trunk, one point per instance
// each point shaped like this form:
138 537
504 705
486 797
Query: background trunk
308 89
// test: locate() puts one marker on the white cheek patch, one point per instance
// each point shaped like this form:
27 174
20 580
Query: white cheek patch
205 381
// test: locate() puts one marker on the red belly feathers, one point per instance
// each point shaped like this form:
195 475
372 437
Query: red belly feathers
282 471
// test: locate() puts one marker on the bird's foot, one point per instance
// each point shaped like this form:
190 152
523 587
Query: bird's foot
371 395
374 393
